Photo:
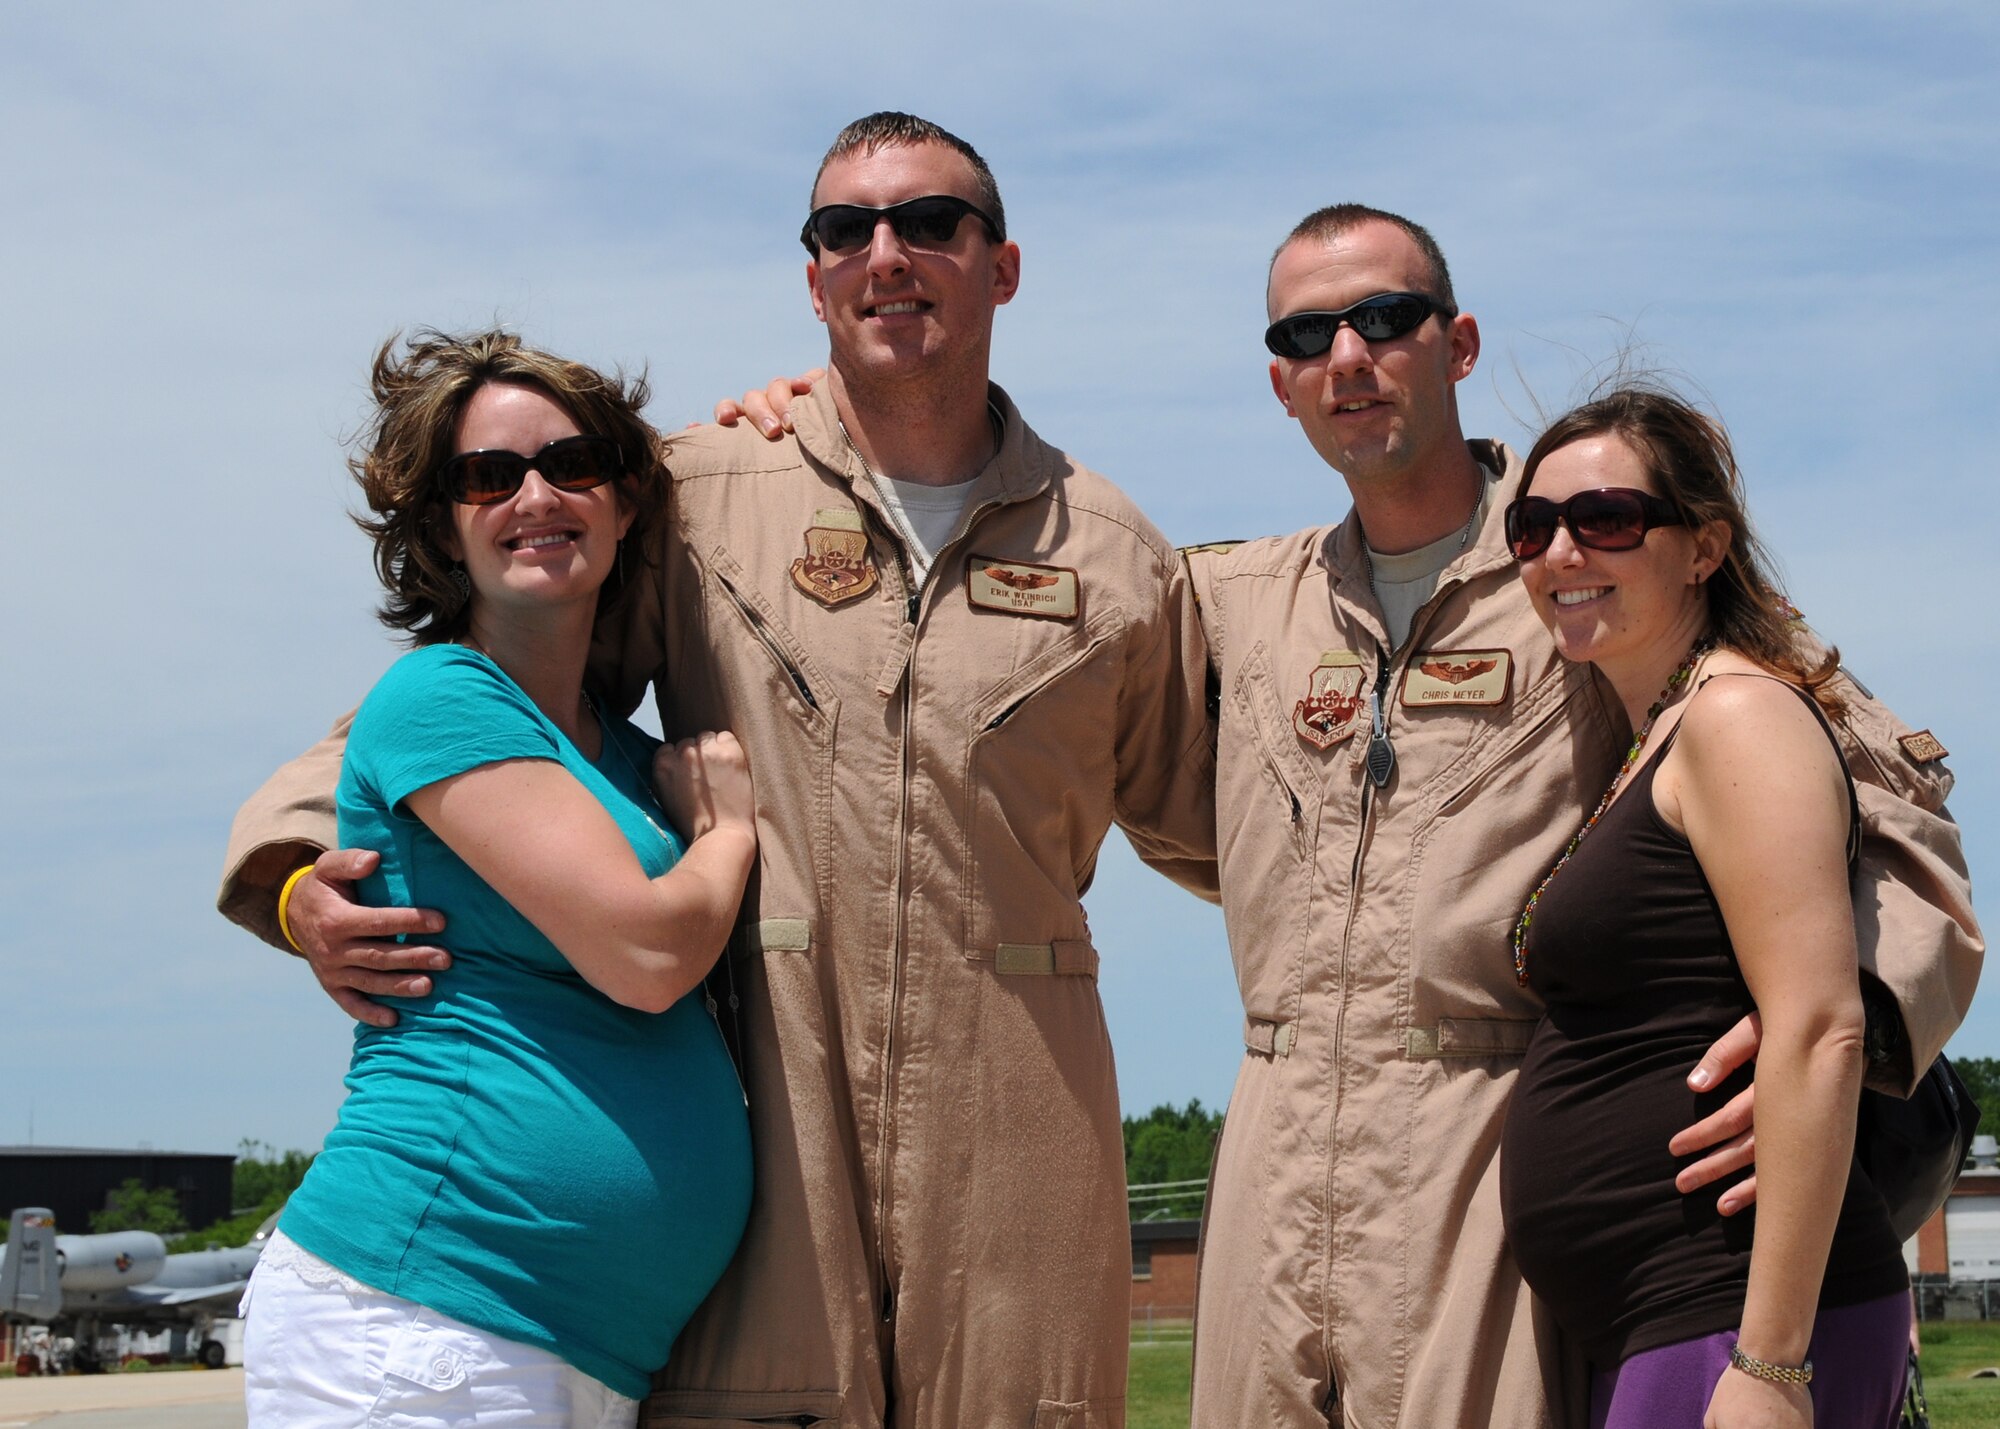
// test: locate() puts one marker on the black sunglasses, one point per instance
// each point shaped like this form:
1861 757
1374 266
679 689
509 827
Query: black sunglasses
1377 319
927 222
568 464
1613 518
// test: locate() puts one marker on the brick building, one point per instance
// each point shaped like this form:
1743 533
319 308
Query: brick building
1163 1269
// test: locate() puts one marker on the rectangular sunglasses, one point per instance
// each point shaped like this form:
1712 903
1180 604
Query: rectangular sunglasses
569 464
1376 319
1612 518
928 222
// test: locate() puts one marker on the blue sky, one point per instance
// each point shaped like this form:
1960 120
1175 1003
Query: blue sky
214 214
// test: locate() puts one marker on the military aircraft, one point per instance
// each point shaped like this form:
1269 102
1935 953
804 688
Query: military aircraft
79 1284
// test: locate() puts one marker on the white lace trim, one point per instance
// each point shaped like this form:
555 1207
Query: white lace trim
281 1252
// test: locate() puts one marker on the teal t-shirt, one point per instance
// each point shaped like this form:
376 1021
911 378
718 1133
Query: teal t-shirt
520 1151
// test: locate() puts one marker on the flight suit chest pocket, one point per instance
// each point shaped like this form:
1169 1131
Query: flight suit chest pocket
1038 785
769 692
1259 746
1494 825
1268 798
739 607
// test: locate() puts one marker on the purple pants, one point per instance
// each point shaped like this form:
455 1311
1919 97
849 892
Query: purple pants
1859 1353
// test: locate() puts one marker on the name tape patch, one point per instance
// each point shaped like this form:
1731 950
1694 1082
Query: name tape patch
1457 677
1019 588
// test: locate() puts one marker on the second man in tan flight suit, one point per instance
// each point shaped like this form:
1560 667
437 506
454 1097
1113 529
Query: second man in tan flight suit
1402 756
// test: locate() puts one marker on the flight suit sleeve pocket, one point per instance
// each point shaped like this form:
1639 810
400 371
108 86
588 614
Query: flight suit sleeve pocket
1080 1414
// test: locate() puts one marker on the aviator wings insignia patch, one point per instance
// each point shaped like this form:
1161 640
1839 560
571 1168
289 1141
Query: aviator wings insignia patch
1020 588
1457 677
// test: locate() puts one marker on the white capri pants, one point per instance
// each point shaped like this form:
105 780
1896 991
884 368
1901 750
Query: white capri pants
323 1351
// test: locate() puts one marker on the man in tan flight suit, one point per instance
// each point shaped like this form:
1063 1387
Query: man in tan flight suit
1402 756
955 658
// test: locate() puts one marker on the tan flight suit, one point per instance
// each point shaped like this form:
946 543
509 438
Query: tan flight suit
1353 1233
939 1232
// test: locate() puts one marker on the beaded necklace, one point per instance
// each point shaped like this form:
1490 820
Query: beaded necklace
1674 682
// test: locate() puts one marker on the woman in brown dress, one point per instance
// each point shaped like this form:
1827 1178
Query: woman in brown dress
1712 880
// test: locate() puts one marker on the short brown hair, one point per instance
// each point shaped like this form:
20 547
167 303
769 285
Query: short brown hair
1323 225
420 393
891 129
1688 456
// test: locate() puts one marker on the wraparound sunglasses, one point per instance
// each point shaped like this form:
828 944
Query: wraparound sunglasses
1377 319
568 464
928 222
1612 518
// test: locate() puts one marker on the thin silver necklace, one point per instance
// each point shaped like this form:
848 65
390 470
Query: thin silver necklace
1368 557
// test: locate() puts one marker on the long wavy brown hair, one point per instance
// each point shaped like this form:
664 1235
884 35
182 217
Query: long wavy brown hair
421 388
1689 458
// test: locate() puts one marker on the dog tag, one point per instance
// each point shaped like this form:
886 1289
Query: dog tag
1381 754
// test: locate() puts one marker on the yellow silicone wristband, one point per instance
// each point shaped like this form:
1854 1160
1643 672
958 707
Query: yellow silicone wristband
285 906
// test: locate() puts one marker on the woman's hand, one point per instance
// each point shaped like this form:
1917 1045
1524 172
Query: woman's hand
704 785
1743 1401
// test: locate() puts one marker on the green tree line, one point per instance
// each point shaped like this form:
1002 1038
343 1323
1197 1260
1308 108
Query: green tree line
1982 1079
1170 1143
264 1177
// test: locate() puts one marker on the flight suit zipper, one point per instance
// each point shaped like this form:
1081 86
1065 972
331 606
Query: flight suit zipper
1378 735
770 643
904 540
1385 761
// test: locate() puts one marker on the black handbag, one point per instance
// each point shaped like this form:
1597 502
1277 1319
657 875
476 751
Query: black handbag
1914 1147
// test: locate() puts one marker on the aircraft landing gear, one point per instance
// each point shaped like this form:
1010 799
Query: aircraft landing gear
212 1355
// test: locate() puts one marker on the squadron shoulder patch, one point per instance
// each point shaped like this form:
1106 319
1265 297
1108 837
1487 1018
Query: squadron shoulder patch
1019 588
1922 747
1457 677
1331 710
836 567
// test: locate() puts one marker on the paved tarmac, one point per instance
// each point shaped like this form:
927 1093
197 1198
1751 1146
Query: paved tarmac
185 1399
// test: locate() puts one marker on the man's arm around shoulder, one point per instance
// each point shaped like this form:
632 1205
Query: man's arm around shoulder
285 825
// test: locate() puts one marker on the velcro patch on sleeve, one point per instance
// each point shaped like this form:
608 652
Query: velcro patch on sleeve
1922 747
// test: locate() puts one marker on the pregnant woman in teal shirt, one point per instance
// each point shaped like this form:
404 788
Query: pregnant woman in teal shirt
540 1171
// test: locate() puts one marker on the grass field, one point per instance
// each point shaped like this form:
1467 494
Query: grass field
1157 1389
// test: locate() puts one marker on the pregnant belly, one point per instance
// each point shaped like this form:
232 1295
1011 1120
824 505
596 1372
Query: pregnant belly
1587 1183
